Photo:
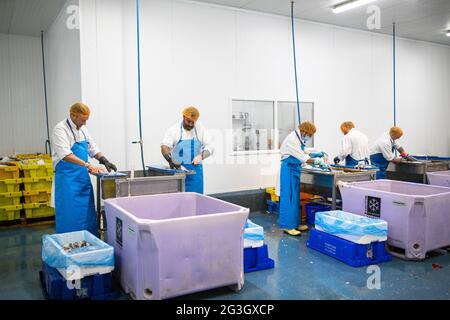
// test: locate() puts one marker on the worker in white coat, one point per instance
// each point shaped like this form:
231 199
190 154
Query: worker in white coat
187 144
293 157
72 194
382 152
355 146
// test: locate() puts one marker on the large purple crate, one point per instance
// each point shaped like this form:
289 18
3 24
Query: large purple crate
418 215
168 245
439 178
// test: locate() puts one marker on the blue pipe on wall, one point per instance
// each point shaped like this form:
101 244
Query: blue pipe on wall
295 62
141 142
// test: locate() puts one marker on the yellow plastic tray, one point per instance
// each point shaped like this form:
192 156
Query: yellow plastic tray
10 213
37 170
32 184
273 196
9 171
27 156
10 185
36 196
10 198
38 210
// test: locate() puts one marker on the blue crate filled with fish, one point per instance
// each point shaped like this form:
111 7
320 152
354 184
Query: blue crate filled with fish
77 254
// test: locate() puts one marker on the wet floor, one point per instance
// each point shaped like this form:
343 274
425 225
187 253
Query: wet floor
299 273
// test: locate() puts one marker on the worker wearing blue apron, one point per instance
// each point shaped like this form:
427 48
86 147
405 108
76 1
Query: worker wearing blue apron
355 147
74 198
379 161
187 145
382 152
293 156
185 152
350 162
73 192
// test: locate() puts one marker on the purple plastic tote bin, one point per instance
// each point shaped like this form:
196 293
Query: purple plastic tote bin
168 245
418 215
439 178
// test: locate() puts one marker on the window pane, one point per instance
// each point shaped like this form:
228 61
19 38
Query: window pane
253 125
288 118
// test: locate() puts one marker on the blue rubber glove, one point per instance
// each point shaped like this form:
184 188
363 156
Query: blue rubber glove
321 164
320 154
324 166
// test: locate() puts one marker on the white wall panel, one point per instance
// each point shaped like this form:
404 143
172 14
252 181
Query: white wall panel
448 101
102 76
63 67
206 55
422 102
22 111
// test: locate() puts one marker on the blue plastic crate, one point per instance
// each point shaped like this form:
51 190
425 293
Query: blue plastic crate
257 259
354 254
273 207
95 287
311 208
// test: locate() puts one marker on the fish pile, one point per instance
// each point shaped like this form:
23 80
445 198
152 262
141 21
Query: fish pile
75 245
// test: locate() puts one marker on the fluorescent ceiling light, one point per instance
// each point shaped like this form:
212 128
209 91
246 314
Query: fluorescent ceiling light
447 33
350 4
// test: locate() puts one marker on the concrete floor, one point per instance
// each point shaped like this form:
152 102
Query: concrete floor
299 273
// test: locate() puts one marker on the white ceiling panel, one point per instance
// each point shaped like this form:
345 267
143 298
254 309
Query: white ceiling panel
28 17
424 20
416 19
6 11
232 3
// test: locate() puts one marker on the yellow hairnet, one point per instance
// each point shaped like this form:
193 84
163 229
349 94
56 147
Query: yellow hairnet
80 109
191 113
307 127
396 132
347 125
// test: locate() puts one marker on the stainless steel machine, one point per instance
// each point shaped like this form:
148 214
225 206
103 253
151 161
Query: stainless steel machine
158 180
325 183
416 171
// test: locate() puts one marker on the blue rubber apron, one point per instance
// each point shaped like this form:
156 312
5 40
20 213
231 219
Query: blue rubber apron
378 160
291 169
350 162
74 196
184 153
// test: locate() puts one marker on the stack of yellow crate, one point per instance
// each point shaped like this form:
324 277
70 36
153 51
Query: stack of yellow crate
37 173
10 193
34 157
272 194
